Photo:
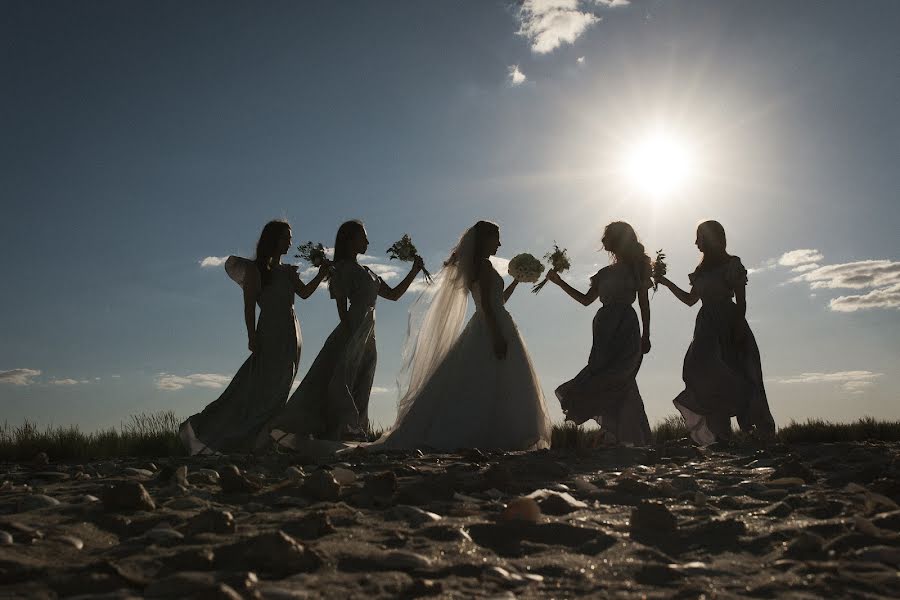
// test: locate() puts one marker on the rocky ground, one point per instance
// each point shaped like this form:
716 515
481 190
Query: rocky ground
674 521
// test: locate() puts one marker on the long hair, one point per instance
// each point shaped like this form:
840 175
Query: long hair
345 234
714 233
625 248
267 248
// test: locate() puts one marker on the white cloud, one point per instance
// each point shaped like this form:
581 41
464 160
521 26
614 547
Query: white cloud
516 77
67 382
805 268
850 381
854 275
550 23
613 3
386 272
580 60
888 297
213 261
19 376
378 389
169 382
799 257
500 263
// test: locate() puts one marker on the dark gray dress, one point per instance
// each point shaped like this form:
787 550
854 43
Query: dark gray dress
333 398
722 378
262 384
606 389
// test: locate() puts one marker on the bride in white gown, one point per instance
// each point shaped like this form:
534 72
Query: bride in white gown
472 387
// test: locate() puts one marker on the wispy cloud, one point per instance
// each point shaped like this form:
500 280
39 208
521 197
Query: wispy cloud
857 275
888 297
380 389
213 261
500 263
613 3
802 256
169 382
19 376
516 76
580 60
68 381
547 24
850 381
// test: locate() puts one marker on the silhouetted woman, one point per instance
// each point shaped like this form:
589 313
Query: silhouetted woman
332 401
722 372
472 386
606 389
261 386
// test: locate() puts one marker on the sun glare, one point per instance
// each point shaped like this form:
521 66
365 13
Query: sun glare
658 165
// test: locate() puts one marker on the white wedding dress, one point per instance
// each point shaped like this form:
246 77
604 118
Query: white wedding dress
467 397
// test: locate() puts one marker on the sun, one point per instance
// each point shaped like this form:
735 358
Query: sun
658 165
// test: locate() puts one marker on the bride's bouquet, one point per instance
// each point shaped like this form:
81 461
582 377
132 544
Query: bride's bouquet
658 268
405 251
525 268
312 253
558 261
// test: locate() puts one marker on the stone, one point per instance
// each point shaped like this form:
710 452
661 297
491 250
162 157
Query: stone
69 540
163 536
294 474
321 485
212 520
793 468
126 496
36 502
779 509
5 538
652 519
232 481
403 561
310 526
556 503
806 546
889 555
276 553
180 476
782 482
343 476
133 472
186 503
521 509
49 476
194 559
381 485
413 515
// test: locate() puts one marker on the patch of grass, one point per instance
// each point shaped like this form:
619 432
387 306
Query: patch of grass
819 431
144 435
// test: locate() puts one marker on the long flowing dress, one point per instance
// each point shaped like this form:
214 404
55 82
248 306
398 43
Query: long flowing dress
262 384
606 389
475 400
722 378
333 398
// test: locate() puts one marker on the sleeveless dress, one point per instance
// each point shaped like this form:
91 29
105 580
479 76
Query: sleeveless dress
475 400
606 389
722 378
333 398
262 384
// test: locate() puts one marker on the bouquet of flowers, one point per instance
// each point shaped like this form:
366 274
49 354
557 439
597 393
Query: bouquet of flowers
558 261
314 254
405 251
658 268
525 268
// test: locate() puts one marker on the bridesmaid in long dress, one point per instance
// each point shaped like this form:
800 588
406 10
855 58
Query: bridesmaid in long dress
606 389
332 401
261 385
722 372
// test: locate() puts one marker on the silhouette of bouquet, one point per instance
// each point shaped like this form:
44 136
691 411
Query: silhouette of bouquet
405 251
525 268
314 254
658 268
558 261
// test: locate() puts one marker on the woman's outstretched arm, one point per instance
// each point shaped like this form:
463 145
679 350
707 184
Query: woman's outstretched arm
509 290
689 298
580 297
305 290
251 293
644 303
395 293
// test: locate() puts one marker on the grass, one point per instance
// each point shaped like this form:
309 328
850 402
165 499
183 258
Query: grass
144 435
155 435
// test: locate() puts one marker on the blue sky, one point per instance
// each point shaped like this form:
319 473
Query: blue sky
138 138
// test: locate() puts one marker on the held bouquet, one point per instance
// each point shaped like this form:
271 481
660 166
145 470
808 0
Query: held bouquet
314 254
405 250
525 268
558 261
658 268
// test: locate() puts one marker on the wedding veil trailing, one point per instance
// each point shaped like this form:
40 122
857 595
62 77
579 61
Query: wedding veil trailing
435 322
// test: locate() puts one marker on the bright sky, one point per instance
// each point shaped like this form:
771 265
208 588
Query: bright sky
141 140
